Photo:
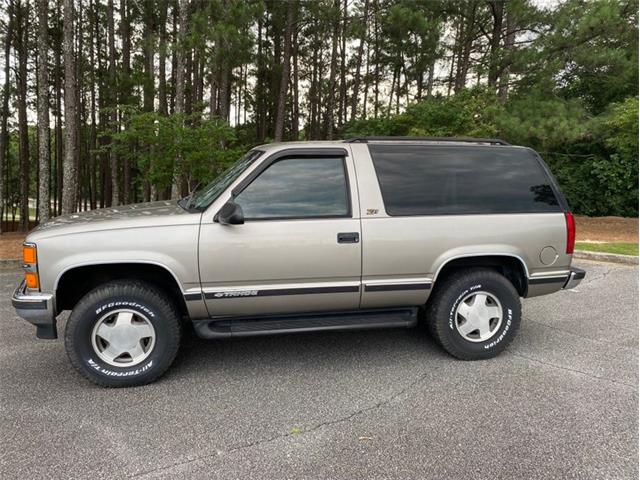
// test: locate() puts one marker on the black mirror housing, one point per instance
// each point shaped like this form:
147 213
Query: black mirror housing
230 214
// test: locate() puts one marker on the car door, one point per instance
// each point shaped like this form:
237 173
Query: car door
299 247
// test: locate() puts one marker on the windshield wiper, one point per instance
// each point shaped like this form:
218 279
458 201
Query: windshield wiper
185 202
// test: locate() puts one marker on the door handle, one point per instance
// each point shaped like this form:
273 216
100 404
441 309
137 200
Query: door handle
349 237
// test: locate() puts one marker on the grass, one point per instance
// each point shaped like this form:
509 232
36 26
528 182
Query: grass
618 248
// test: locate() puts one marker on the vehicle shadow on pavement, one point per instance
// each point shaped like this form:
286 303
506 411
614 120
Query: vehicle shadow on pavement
331 350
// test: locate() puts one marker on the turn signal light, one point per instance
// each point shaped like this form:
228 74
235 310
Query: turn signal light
29 254
31 279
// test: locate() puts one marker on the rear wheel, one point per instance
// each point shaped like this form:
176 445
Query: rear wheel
474 314
123 334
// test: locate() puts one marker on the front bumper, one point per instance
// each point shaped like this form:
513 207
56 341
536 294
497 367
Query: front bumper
36 308
575 277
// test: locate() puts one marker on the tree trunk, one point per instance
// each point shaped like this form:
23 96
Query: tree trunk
183 10
466 38
295 105
286 67
359 55
376 88
125 88
58 88
497 12
21 38
509 47
329 119
93 135
113 104
70 185
4 134
223 96
148 50
79 42
432 66
44 165
163 106
342 108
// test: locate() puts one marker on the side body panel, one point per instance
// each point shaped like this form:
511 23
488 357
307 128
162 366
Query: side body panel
409 251
172 246
280 266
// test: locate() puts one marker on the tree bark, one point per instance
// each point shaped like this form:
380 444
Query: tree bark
509 46
58 135
467 20
376 88
286 67
113 104
342 108
359 55
329 118
183 10
148 50
70 185
163 106
44 164
22 25
4 134
295 105
125 88
497 12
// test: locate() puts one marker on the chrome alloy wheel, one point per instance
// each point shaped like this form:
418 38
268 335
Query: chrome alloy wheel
478 316
123 338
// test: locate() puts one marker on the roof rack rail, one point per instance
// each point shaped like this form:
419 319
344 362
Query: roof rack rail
490 141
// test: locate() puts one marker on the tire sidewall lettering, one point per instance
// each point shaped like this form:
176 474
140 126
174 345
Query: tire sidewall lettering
103 369
498 337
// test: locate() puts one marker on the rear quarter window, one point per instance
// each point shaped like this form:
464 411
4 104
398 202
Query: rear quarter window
447 180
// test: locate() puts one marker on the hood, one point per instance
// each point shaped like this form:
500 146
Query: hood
166 212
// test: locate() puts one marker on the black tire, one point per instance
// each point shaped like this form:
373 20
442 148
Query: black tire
138 297
444 302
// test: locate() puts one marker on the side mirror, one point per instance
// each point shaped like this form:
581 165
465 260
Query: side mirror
230 214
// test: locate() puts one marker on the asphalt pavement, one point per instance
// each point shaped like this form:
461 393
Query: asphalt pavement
561 402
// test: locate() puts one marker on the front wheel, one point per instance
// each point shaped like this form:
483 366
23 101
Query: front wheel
123 334
474 314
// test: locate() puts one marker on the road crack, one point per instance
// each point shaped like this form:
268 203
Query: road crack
312 428
602 276
573 370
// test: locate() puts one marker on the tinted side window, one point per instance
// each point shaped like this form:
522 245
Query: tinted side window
298 188
441 180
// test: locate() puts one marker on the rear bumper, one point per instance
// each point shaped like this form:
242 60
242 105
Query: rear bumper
575 277
36 308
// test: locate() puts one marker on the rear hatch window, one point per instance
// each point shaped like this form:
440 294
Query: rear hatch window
449 180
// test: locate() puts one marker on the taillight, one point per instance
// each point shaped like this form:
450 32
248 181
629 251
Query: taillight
571 232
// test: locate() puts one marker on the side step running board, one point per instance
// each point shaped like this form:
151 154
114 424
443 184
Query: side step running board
270 325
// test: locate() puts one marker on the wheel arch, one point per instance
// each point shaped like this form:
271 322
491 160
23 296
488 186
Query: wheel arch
512 266
77 280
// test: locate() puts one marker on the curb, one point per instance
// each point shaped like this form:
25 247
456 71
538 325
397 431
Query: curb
12 263
606 257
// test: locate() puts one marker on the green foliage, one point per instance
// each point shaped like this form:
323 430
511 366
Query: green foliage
595 159
392 125
544 123
154 143
620 128
594 47
470 113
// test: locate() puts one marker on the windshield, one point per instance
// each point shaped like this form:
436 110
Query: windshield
203 198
